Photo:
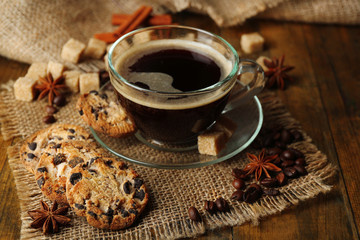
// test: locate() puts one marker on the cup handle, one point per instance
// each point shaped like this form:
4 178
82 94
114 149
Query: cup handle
250 81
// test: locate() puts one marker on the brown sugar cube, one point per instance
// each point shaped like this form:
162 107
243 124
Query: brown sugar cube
260 61
211 142
71 80
226 125
251 42
24 89
95 48
56 69
88 82
36 70
72 50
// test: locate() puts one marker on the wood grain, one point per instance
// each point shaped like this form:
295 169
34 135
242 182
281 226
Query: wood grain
324 98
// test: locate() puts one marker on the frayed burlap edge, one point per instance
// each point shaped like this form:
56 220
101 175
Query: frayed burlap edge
321 176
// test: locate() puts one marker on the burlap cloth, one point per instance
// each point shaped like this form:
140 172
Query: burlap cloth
35 30
172 192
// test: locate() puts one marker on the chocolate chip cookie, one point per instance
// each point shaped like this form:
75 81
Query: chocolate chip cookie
32 148
56 162
107 193
105 115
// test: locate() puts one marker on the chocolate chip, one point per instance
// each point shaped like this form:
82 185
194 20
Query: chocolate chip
104 96
92 171
92 160
222 205
109 163
94 92
31 155
126 187
60 190
238 195
49 119
271 192
110 214
94 215
194 214
40 182
124 213
81 112
92 109
133 211
75 161
56 146
42 169
138 183
59 100
80 206
71 130
71 137
59 158
96 115
210 206
32 146
75 178
139 194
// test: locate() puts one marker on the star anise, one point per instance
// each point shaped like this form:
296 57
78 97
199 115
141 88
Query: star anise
49 86
48 218
277 72
261 164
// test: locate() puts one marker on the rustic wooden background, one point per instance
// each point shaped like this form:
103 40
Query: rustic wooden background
325 99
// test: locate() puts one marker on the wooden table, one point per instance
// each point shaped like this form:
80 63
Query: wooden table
325 99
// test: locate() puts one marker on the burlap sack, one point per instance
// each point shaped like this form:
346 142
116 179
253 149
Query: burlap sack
35 30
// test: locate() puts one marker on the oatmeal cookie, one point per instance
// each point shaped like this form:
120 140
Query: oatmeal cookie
108 193
32 148
105 115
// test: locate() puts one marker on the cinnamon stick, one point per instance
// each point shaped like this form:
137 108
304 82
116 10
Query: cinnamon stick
164 19
120 30
107 37
139 20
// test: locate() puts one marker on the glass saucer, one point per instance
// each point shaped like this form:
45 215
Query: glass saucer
248 117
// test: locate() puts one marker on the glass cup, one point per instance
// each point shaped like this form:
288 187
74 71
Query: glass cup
174 119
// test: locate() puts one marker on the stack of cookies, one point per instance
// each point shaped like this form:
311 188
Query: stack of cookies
70 168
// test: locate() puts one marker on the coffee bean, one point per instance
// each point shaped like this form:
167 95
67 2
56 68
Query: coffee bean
286 136
277 161
287 155
301 170
238 173
194 214
297 153
297 135
290 172
287 163
269 182
238 183
222 205
59 100
210 206
51 109
280 145
300 162
271 192
277 136
252 194
274 151
49 119
281 178
268 141
238 195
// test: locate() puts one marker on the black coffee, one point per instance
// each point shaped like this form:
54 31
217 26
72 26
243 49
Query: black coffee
190 70
178 68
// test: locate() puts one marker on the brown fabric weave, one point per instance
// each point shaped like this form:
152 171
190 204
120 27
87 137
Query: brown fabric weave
172 192
35 30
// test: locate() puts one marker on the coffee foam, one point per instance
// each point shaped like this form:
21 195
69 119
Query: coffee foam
129 57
